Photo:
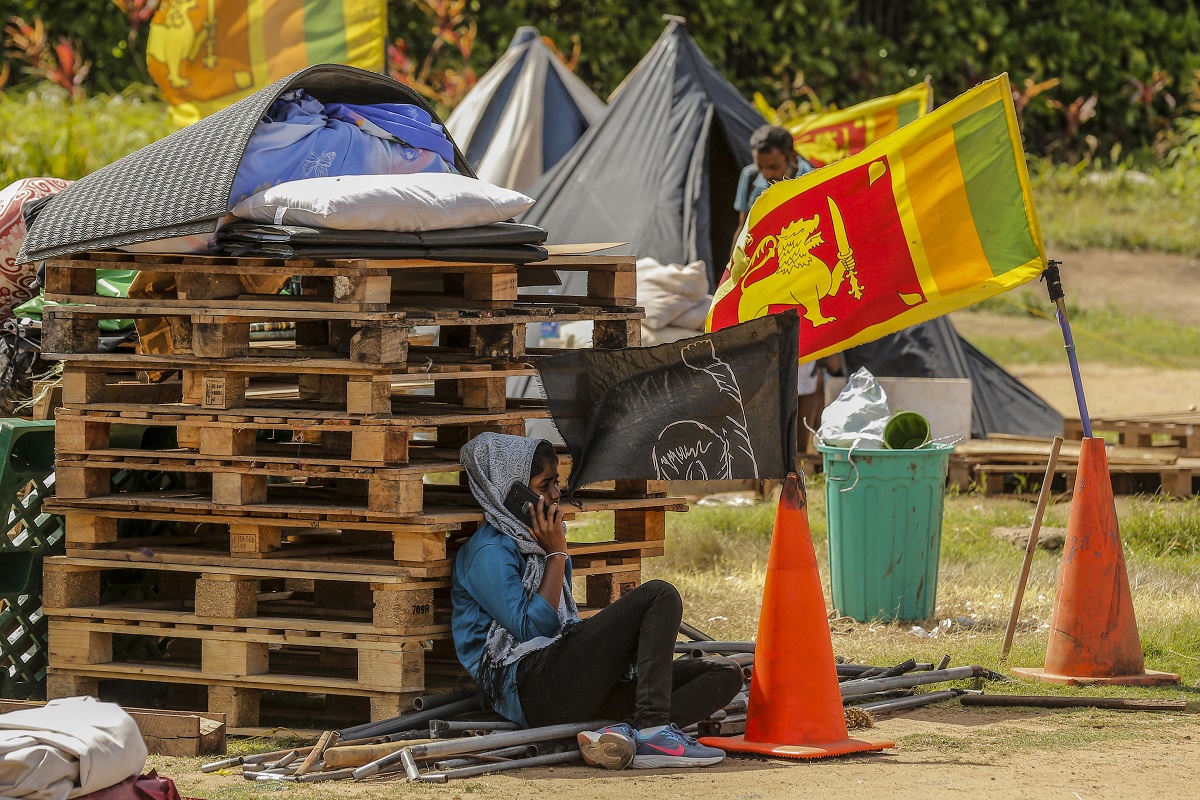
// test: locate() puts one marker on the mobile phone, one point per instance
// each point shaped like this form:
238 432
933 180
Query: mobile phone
521 501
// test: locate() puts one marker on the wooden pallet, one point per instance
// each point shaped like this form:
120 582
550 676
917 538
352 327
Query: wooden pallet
351 551
364 338
274 441
350 284
1174 480
232 625
1139 430
321 384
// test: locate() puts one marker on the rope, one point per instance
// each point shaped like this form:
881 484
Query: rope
1077 328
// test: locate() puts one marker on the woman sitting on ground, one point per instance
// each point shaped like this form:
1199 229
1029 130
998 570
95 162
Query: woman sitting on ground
517 630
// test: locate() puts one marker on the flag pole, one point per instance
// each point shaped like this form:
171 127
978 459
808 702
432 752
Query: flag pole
1054 288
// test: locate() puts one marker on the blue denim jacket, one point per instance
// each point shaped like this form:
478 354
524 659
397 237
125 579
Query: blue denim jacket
486 586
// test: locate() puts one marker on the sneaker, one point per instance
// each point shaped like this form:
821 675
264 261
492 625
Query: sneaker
671 747
611 747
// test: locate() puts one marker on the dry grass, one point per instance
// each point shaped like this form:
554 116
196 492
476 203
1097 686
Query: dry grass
719 567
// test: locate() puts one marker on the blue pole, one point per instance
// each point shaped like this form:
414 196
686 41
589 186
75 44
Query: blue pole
1054 287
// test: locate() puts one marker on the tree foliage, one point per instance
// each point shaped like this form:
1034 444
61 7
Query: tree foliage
1132 54
1135 56
99 28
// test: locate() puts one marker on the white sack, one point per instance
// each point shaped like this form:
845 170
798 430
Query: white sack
669 291
67 748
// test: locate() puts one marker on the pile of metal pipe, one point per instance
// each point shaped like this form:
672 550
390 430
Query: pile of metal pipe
865 686
499 746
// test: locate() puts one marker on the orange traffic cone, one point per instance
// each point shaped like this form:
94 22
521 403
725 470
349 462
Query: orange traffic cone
795 707
1093 634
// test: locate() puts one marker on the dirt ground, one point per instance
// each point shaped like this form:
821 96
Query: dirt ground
1142 282
1165 284
942 752
948 751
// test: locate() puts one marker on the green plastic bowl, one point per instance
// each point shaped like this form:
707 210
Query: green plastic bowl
907 430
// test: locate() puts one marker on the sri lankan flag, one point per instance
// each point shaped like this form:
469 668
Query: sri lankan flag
830 136
935 217
207 54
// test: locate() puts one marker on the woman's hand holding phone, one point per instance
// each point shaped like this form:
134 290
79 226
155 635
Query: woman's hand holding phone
547 526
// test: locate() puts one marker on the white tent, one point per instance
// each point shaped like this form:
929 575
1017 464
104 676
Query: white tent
524 115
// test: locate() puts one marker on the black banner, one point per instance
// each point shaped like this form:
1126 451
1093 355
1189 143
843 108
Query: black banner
713 407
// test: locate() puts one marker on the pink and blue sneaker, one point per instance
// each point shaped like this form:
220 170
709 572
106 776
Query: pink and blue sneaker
611 747
671 747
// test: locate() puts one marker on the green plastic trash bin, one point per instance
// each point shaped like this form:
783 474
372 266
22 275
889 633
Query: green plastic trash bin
885 527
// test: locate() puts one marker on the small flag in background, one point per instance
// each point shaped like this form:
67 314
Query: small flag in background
711 407
207 54
935 217
828 136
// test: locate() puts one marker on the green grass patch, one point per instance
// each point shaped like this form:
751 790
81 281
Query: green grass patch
1118 209
44 132
1108 335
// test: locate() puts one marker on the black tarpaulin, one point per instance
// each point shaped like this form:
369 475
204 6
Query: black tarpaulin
714 407
934 349
660 168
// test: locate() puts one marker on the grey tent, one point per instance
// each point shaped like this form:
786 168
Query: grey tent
524 115
180 184
660 169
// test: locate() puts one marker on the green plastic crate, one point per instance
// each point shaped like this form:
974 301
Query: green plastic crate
26 480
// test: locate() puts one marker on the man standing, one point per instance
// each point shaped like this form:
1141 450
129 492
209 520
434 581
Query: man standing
775 159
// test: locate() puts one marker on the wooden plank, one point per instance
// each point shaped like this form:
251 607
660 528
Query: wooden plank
194 675
182 560
282 309
443 505
406 411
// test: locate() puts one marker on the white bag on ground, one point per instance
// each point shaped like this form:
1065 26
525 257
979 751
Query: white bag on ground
67 748
858 416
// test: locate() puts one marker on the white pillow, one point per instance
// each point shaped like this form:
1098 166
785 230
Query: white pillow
421 202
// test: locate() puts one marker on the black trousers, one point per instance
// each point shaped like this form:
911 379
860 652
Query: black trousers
581 676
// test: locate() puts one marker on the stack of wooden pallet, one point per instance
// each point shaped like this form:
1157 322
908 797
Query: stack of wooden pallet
1179 429
1005 464
293 516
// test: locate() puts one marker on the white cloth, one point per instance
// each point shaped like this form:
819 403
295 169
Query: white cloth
652 336
67 748
806 379
17 281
